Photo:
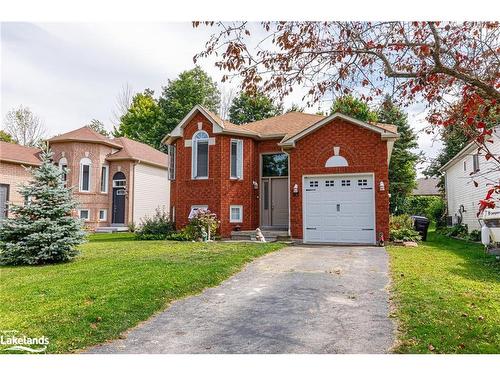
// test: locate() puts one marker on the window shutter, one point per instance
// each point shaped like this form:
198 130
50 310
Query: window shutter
240 159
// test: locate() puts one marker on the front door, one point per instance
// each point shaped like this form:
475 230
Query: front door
274 191
118 206
119 193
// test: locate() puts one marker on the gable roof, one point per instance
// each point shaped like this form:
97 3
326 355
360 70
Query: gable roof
288 127
133 150
427 186
84 134
14 153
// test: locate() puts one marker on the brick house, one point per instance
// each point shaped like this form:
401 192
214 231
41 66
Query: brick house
14 160
320 179
117 181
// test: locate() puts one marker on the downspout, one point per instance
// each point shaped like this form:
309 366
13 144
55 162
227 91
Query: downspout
289 203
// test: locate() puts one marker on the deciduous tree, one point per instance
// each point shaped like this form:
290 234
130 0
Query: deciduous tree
143 120
252 107
192 87
24 126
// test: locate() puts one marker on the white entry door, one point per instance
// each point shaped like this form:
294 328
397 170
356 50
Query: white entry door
339 209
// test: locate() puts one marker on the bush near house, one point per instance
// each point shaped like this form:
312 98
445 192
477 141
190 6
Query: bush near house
157 227
461 231
201 225
401 229
429 206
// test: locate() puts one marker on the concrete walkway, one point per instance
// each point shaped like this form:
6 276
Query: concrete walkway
303 299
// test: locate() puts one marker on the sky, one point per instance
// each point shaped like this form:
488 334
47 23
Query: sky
71 73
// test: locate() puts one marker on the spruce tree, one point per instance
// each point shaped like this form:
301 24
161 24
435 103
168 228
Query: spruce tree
42 230
402 172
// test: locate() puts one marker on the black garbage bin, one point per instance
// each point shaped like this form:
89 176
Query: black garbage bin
421 225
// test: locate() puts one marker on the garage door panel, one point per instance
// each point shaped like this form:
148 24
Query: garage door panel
339 214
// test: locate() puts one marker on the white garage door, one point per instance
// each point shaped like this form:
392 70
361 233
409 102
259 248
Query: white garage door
339 209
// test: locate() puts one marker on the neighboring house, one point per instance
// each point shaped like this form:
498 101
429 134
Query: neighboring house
322 179
117 181
462 196
14 161
427 187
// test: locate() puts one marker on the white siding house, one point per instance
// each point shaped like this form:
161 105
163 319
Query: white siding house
151 190
462 195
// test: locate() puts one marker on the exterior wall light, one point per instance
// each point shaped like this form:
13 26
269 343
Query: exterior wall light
295 189
255 185
381 186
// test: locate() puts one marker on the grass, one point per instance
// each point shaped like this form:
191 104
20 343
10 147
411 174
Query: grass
113 285
446 294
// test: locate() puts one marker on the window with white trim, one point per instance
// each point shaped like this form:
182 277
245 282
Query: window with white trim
85 174
237 159
104 178
119 183
103 215
200 155
172 154
236 214
330 183
84 214
475 163
63 166
313 183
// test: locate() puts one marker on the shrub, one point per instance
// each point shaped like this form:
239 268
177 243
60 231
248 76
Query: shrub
475 235
157 227
202 224
401 229
419 205
461 231
436 212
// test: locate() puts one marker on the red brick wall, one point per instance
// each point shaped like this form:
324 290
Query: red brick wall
364 150
14 175
219 192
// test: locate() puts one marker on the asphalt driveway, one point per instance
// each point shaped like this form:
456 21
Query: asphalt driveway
303 299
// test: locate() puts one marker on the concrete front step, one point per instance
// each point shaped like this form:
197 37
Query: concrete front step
269 235
110 229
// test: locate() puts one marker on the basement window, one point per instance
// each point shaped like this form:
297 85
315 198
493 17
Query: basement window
84 214
236 214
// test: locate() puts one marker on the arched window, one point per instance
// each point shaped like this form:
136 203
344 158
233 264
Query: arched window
200 154
336 160
63 166
85 174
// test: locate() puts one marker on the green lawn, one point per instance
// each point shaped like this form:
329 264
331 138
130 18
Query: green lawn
114 284
447 297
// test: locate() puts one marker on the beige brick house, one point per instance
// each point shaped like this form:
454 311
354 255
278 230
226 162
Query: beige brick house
117 181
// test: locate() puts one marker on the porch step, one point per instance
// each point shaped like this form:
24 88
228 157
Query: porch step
269 235
111 229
